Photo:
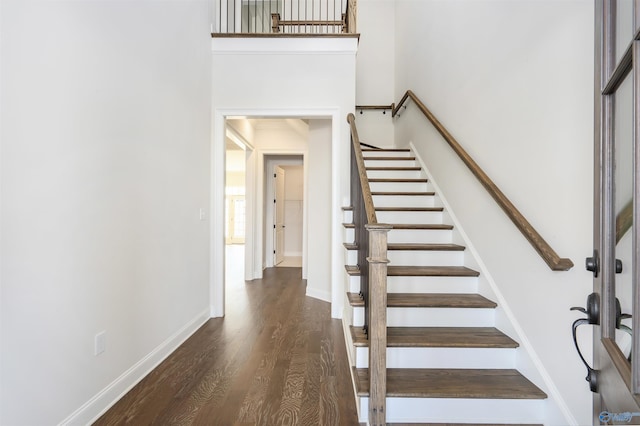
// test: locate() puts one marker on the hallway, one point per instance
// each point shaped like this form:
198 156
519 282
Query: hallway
277 358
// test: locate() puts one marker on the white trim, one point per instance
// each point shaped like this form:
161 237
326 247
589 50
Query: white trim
501 301
103 400
285 46
267 184
318 294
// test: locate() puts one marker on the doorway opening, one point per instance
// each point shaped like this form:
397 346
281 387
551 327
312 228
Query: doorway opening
235 206
314 134
287 210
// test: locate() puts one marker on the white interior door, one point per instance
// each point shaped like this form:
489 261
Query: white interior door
278 204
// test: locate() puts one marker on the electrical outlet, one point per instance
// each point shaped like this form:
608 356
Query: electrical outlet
100 343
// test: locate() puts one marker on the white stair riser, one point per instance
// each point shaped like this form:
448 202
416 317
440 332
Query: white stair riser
432 284
347 216
425 258
348 235
390 163
352 257
398 186
404 200
409 217
433 317
395 174
420 236
381 153
458 410
442 357
353 284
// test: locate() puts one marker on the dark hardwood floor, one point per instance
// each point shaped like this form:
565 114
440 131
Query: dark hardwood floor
277 358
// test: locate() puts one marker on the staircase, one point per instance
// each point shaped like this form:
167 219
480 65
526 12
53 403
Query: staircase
446 362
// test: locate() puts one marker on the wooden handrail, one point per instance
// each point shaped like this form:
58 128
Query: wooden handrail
362 172
554 261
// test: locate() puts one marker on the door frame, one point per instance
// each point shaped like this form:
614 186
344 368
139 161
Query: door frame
339 193
271 160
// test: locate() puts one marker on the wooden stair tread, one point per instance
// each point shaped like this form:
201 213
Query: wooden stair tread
462 424
407 193
398 180
430 300
430 271
389 158
352 270
439 337
438 300
385 150
415 169
420 246
355 299
421 271
409 209
452 383
414 247
347 208
434 226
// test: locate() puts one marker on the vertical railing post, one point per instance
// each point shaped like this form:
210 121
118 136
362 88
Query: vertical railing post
377 322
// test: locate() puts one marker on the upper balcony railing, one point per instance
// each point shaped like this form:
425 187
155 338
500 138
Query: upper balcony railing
313 17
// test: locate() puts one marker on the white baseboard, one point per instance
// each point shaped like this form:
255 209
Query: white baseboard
101 402
318 294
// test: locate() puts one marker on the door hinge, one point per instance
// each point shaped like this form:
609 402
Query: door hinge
274 175
274 252
274 226
274 200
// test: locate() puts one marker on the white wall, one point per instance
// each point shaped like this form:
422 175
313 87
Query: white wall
306 78
293 209
513 82
375 70
105 143
318 251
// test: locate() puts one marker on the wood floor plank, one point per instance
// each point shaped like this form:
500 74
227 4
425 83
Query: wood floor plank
439 337
453 383
260 365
